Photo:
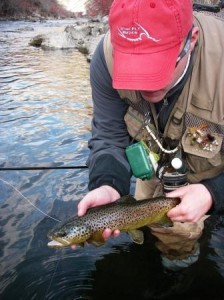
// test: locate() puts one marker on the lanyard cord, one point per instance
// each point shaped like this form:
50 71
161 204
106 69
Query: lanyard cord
158 142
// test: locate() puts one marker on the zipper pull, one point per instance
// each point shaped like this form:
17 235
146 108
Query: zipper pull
165 102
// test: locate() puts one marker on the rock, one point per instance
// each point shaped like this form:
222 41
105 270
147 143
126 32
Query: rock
37 40
92 46
26 28
83 36
61 40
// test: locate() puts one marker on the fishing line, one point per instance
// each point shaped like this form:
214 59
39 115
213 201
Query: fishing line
52 278
15 189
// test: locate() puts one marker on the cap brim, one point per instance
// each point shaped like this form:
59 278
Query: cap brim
144 72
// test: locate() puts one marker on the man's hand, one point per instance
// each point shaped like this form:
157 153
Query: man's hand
196 201
102 195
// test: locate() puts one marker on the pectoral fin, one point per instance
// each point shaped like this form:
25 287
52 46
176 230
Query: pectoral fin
165 221
96 239
137 236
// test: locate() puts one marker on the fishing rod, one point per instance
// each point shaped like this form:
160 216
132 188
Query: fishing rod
34 168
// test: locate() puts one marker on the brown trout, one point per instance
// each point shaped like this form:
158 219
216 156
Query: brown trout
126 214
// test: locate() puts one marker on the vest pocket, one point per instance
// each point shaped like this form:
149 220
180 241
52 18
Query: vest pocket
136 128
200 164
205 105
135 122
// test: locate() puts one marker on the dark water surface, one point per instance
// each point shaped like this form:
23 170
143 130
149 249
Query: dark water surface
45 113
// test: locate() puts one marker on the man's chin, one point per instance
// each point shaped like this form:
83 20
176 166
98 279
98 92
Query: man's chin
153 98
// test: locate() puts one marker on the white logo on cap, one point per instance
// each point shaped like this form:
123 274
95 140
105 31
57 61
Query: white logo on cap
125 32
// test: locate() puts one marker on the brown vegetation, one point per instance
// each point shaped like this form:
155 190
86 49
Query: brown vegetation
49 8
23 8
98 7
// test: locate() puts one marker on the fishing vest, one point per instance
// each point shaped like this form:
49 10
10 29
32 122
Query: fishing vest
200 104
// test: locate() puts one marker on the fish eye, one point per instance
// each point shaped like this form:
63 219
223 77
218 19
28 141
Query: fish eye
61 233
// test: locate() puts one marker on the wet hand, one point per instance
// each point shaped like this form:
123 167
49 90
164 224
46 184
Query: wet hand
100 196
196 201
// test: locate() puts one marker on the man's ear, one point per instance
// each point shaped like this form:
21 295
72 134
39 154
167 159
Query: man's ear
194 37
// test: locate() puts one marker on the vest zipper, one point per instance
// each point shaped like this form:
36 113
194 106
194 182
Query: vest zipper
165 103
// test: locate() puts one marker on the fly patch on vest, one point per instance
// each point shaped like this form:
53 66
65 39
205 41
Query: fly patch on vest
203 143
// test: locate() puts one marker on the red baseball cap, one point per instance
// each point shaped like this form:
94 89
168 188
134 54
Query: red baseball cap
146 36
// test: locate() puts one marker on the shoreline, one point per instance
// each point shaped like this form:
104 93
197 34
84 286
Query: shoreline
36 19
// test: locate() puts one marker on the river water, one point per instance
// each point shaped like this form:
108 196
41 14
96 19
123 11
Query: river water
45 114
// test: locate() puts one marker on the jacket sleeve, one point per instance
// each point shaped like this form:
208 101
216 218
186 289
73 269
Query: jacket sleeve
107 161
216 188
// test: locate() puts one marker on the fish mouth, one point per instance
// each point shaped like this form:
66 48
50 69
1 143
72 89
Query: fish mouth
55 244
58 244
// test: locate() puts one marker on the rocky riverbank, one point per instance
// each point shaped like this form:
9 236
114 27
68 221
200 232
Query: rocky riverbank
84 35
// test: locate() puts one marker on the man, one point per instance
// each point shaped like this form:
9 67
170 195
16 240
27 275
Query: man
160 66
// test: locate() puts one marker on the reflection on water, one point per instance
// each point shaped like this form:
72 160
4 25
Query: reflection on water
45 113
45 101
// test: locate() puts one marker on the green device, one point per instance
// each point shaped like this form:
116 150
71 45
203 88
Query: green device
138 157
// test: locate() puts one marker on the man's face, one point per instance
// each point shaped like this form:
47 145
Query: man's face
156 96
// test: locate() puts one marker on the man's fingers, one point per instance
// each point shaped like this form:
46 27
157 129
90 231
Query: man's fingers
81 211
74 247
83 206
108 233
116 233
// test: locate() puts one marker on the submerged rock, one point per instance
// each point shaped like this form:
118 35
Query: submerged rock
37 40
